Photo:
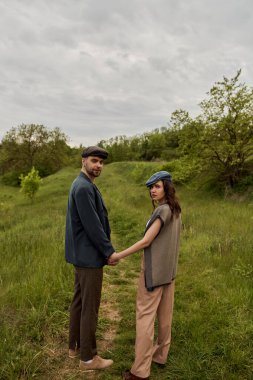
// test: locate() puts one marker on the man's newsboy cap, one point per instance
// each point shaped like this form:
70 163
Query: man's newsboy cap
95 151
158 177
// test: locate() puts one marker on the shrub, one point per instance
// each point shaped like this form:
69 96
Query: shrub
30 184
11 178
183 169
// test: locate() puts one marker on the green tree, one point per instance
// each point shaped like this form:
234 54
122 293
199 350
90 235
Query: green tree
152 144
119 148
227 117
221 137
24 143
30 183
33 145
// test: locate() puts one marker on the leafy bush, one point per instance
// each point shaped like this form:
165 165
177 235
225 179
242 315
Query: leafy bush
142 171
183 169
11 178
244 184
30 184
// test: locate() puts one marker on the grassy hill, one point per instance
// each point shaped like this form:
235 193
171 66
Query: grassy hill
212 326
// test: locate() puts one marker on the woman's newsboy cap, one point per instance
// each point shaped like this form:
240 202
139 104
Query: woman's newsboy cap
158 177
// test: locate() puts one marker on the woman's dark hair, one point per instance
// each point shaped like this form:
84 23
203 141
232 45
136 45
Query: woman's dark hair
171 198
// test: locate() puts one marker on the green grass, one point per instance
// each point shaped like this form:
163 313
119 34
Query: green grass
212 324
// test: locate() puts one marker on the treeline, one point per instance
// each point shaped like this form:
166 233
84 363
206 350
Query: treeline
160 144
217 145
36 146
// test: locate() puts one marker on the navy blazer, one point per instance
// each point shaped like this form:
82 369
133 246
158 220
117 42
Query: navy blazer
87 238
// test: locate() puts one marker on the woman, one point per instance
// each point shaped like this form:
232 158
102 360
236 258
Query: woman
155 296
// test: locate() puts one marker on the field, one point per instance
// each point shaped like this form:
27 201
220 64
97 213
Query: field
212 324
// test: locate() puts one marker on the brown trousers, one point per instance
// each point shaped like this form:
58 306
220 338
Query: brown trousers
158 303
84 311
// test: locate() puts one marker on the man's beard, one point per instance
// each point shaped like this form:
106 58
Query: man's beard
94 173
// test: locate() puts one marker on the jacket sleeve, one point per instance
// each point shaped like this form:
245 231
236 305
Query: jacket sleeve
86 207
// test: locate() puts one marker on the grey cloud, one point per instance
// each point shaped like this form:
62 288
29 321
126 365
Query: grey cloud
97 69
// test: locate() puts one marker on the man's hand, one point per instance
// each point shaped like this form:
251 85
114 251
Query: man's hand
113 259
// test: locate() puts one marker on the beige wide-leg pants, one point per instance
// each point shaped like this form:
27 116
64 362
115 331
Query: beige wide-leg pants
158 303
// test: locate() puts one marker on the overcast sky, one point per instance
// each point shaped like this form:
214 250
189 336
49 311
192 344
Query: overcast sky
98 69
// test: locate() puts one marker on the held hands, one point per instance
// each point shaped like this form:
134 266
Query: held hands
113 259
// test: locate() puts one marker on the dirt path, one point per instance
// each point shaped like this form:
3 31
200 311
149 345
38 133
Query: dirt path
56 365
